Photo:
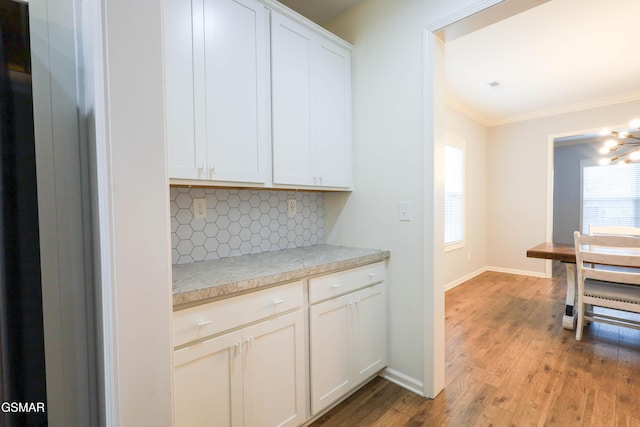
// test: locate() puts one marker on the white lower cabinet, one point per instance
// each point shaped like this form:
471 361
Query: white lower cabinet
244 361
253 376
207 382
348 343
274 380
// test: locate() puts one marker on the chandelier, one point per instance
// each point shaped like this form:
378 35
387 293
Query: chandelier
622 146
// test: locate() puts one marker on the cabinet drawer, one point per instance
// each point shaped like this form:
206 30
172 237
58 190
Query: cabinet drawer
209 319
331 285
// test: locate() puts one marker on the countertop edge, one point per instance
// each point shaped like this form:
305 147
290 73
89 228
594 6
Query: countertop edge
201 296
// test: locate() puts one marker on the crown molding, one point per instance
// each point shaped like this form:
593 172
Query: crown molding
603 102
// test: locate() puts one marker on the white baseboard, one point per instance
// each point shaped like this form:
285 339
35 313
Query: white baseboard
470 276
461 280
518 272
403 381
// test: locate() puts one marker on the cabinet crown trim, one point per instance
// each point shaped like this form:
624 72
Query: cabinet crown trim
292 14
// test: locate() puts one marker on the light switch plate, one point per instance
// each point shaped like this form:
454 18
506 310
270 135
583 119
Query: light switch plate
404 211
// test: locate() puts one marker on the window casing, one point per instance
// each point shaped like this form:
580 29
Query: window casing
454 168
610 195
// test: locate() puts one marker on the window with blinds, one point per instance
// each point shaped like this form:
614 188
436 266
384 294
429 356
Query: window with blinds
453 197
610 195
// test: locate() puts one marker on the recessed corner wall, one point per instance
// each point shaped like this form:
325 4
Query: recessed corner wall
389 151
517 178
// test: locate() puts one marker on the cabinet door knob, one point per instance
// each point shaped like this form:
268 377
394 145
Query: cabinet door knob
204 323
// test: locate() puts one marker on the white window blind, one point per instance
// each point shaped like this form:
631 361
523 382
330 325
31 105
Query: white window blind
610 195
453 195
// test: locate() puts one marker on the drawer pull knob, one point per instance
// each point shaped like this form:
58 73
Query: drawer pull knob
204 323
277 301
336 285
372 275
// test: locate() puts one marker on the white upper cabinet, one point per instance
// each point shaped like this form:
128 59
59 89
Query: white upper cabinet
217 90
253 101
291 46
331 110
185 157
311 107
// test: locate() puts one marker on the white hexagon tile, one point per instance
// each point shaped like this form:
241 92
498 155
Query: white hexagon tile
242 222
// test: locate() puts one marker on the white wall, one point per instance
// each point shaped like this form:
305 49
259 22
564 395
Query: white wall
461 264
133 198
389 167
518 171
390 148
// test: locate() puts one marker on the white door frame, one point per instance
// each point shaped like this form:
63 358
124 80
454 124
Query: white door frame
433 142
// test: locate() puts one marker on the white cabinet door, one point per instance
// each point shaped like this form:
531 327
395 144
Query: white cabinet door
186 153
208 383
348 342
274 372
329 324
291 46
217 90
231 96
331 112
369 332
311 107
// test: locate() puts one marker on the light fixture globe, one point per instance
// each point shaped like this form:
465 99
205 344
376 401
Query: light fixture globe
625 142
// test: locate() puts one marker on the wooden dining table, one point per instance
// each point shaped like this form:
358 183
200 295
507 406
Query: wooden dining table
566 254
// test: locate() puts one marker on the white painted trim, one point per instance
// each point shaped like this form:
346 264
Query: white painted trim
461 14
468 113
463 279
455 141
433 227
279 7
433 219
60 146
403 380
549 207
566 109
518 272
103 218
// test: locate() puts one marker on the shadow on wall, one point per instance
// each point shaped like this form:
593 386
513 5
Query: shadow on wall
334 204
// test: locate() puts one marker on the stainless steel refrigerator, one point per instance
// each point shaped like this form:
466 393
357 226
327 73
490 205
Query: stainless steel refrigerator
22 372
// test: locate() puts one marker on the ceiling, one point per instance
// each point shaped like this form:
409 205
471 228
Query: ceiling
564 55
560 56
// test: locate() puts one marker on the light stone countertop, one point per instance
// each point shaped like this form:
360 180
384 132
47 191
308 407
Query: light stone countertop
203 281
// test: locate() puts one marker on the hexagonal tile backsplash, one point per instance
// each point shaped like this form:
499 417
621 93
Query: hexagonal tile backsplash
241 222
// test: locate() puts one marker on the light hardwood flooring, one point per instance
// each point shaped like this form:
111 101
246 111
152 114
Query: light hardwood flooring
509 362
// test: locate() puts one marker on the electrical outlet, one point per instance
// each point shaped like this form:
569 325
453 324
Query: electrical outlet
291 207
199 208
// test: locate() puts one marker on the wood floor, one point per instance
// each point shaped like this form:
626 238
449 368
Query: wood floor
510 363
